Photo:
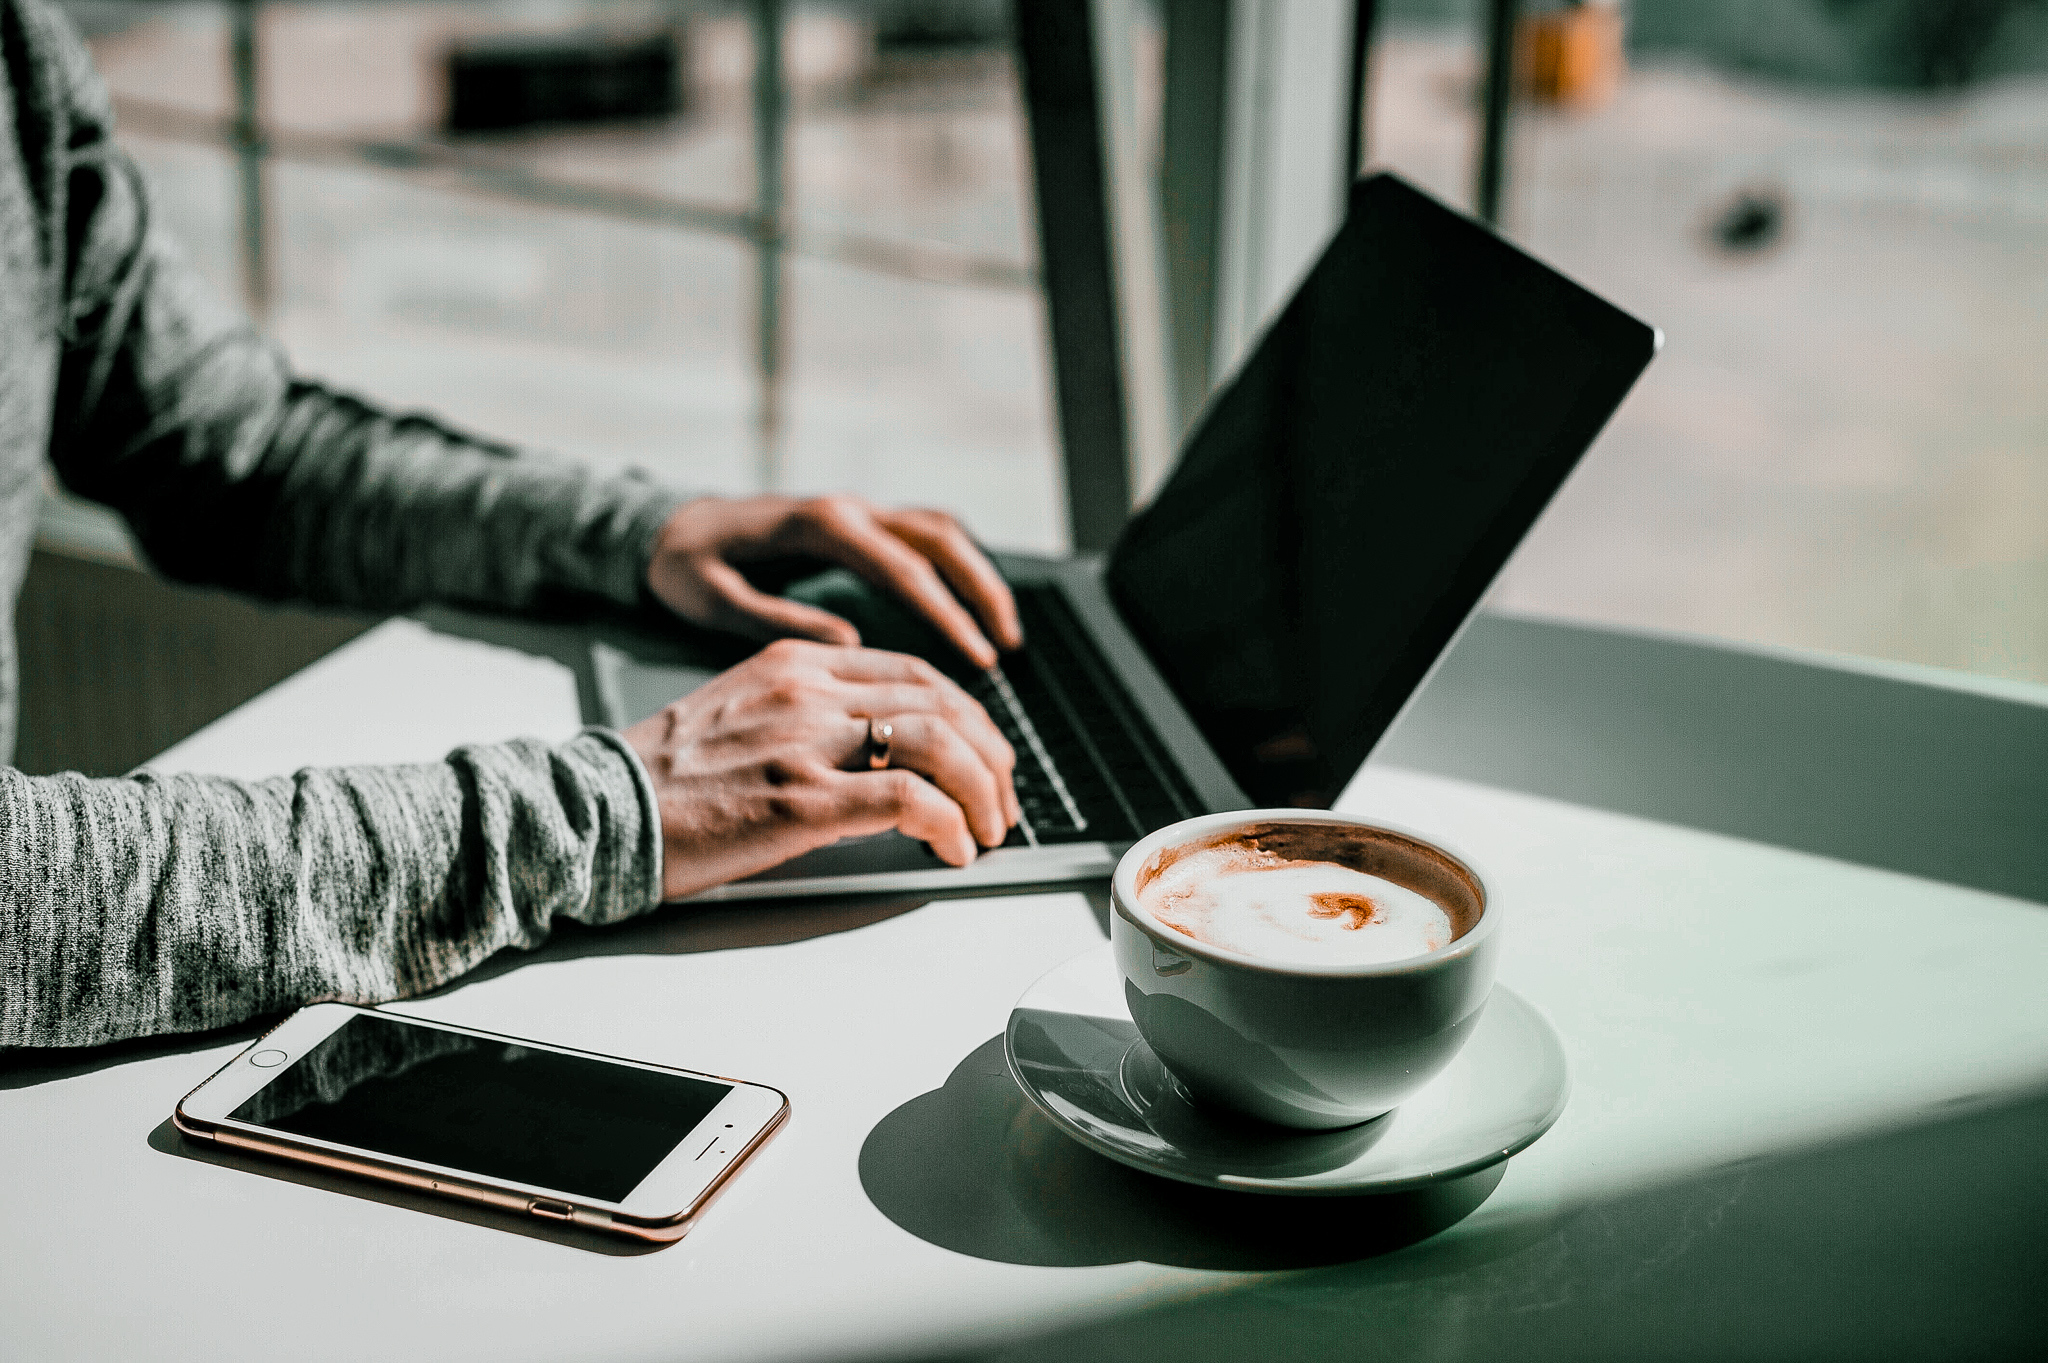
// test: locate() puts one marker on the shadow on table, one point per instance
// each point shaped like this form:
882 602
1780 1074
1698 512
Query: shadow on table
682 928
672 931
1942 776
166 1139
26 1066
1922 1242
974 1168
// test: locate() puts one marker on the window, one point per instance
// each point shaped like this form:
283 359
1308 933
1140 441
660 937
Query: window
597 288
1837 210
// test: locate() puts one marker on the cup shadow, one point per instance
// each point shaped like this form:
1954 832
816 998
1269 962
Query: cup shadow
973 1167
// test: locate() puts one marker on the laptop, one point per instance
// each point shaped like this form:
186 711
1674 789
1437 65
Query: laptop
1332 522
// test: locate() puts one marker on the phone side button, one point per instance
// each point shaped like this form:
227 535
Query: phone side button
553 1211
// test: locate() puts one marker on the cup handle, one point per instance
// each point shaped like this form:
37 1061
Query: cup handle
1166 961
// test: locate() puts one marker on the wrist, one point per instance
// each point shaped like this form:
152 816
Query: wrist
628 878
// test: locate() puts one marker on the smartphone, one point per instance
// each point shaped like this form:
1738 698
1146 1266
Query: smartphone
618 1146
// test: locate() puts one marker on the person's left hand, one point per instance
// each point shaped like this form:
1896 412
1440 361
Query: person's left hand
922 556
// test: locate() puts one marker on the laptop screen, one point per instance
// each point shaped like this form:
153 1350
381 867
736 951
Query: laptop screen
1347 499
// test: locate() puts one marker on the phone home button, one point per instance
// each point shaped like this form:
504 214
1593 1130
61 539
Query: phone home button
553 1211
268 1059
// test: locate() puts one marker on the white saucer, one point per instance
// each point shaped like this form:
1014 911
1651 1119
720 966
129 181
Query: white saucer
1074 1051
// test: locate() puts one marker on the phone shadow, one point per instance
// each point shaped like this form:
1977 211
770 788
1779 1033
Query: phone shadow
973 1167
166 1139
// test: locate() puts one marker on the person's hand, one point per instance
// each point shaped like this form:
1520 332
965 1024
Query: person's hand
917 554
769 760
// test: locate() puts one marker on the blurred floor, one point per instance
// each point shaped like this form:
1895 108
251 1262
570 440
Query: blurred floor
1844 445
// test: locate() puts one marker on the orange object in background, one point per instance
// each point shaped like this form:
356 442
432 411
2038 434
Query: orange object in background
1573 56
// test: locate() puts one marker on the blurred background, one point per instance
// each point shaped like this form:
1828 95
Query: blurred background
796 246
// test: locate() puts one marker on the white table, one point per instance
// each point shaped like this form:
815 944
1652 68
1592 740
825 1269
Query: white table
1808 1110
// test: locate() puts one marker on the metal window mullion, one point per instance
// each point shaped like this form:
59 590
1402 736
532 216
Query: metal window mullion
1490 172
1136 253
1191 191
771 104
243 60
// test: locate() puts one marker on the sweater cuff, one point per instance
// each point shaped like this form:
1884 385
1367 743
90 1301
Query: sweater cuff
629 531
626 872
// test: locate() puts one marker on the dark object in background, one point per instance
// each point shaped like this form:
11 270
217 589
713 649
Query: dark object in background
940 25
1752 221
1942 44
1867 44
588 76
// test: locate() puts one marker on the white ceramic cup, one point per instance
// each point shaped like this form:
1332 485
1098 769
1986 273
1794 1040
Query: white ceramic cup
1312 1046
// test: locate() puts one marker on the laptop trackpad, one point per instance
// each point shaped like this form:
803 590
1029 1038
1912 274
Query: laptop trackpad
877 854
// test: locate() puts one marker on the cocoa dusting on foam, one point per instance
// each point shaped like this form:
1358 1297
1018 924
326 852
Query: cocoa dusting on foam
1353 911
1312 893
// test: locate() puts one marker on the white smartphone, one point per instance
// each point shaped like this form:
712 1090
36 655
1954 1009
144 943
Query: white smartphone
613 1145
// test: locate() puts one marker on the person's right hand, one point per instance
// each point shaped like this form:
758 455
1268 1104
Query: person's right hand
768 761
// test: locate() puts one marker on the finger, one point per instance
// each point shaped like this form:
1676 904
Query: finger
850 537
928 745
903 678
966 569
883 665
870 801
947 701
747 610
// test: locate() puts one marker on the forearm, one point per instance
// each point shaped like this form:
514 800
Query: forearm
352 506
174 904
172 409
234 474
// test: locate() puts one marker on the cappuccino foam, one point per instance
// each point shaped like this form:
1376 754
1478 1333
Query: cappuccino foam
1245 898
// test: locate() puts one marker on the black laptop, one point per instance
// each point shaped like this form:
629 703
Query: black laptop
1334 519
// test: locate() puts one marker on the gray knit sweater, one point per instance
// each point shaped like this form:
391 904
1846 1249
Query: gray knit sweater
166 904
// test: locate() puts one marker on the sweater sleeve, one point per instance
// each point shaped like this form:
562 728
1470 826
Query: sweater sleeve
235 473
158 904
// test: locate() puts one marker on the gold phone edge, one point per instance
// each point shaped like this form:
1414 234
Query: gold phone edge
661 1230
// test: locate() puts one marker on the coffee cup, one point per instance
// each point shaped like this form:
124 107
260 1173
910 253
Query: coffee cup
1285 1015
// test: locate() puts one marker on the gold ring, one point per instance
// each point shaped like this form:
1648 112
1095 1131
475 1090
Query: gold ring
880 733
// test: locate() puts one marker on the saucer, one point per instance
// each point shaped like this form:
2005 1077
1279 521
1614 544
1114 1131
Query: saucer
1074 1051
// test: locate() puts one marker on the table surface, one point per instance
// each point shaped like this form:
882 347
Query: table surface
1809 1040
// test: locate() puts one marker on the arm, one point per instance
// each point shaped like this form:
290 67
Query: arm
150 905
175 904
233 473
166 904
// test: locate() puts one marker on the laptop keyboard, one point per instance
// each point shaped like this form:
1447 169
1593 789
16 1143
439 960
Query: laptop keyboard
1088 769
1042 795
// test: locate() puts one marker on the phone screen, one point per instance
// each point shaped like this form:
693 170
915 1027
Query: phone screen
520 1113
